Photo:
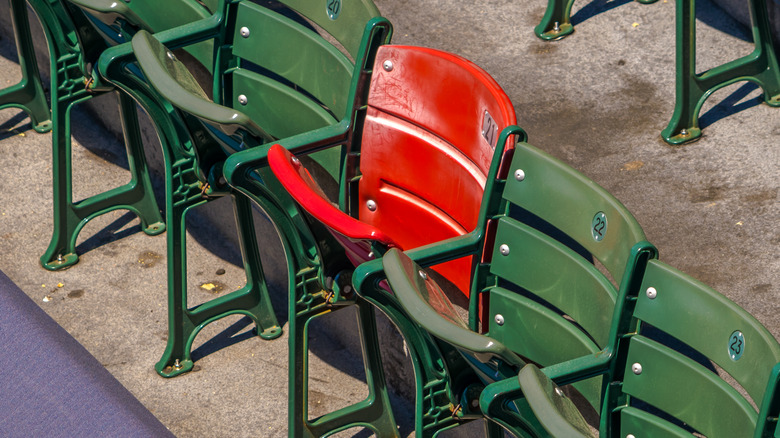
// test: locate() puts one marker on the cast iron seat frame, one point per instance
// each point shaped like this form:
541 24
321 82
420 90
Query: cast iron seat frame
539 298
187 186
667 332
226 130
259 102
314 264
196 165
413 131
72 48
692 90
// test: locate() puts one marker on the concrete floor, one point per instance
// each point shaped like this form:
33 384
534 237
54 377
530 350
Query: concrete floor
597 100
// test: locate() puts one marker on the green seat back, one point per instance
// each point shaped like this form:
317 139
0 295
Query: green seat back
571 202
709 328
552 272
565 308
686 390
683 361
152 17
294 53
280 79
291 80
560 306
715 328
342 19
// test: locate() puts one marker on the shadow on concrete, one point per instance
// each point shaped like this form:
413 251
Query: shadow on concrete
706 11
714 16
732 104
12 127
230 336
112 232
594 8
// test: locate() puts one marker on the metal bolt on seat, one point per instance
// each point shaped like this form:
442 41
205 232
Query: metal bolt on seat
651 293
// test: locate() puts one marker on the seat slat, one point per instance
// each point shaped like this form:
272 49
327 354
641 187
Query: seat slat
640 423
570 202
455 116
541 335
556 274
705 320
335 17
281 46
402 155
284 111
154 17
686 390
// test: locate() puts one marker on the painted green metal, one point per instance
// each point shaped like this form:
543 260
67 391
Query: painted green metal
70 217
563 285
760 67
559 415
661 364
314 272
72 55
121 20
310 299
524 241
559 279
71 46
190 155
680 382
268 93
424 301
350 13
176 84
28 93
668 311
442 377
311 293
266 41
632 419
583 199
556 23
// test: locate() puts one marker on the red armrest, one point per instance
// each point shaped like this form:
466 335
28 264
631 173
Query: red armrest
297 181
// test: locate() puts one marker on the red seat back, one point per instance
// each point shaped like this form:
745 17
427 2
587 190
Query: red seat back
427 146
428 140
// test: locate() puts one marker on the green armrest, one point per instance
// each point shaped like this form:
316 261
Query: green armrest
174 82
556 413
428 306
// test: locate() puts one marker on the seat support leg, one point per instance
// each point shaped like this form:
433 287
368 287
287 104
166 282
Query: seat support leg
28 94
251 300
136 196
556 23
760 66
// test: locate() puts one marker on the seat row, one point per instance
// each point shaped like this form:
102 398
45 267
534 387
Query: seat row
508 273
